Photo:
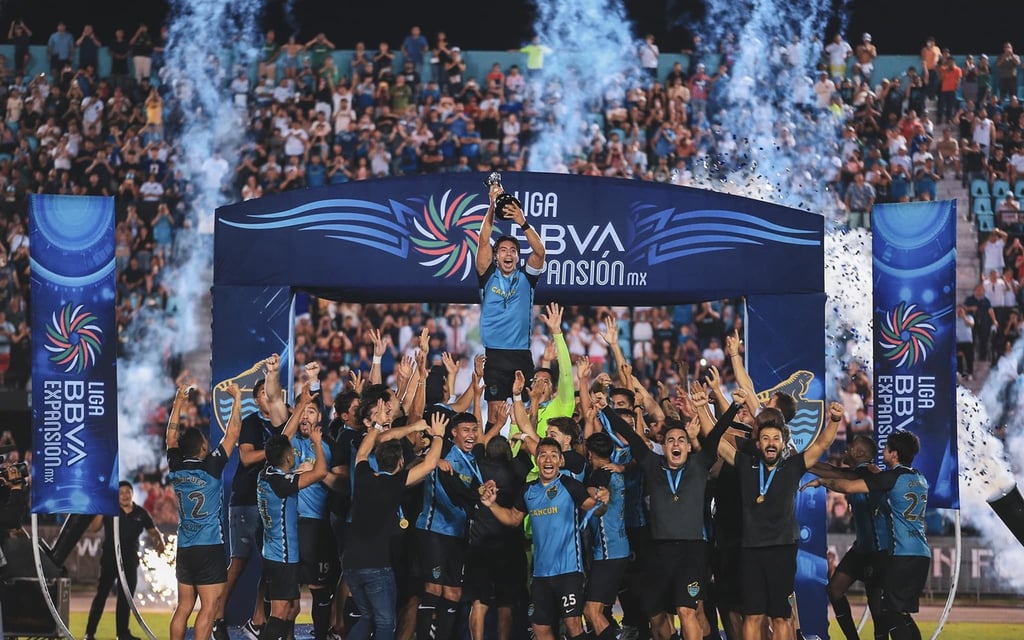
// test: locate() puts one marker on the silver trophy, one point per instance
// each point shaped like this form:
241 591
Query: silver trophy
503 199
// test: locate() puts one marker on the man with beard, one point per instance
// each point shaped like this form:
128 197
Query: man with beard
674 578
768 486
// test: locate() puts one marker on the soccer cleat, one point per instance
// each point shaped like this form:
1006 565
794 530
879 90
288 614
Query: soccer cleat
251 630
220 630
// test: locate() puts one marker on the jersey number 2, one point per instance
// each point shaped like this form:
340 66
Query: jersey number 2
198 500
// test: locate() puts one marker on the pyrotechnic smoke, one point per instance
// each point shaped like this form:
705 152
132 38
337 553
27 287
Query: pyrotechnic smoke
205 37
592 54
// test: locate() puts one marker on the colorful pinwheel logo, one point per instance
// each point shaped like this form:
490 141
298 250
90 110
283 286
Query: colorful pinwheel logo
73 338
907 335
450 234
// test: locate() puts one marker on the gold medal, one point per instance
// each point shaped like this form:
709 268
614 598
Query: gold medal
760 499
480 489
403 524
675 498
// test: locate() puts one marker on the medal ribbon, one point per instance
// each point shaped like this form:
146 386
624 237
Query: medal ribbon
771 476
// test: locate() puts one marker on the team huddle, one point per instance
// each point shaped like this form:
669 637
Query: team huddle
399 507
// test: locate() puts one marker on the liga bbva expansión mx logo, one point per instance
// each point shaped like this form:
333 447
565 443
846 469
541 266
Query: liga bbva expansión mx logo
907 335
450 234
73 338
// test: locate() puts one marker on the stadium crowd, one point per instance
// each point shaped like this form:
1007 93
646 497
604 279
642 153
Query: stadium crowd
317 117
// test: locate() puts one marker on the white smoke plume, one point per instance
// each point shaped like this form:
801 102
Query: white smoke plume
592 53
206 40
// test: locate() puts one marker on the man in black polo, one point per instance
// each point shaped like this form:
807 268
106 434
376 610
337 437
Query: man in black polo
132 521
768 487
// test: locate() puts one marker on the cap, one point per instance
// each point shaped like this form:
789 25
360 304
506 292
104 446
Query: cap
867 37
456 49
984 56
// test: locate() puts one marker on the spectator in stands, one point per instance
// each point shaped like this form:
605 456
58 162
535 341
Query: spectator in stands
1007 65
838 52
142 53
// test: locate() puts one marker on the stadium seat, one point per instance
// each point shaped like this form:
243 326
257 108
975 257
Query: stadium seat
979 189
5 157
1018 189
982 206
1000 188
986 222
13 126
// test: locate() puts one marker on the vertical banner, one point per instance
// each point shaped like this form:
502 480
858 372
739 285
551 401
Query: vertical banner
74 359
786 340
914 302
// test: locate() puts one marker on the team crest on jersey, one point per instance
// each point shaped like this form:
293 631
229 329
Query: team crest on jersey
809 413
436 572
693 589
552 492
529 611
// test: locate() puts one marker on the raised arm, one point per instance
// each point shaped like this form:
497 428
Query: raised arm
378 354
825 437
484 251
497 421
637 446
739 369
234 427
536 259
553 319
714 381
438 424
180 398
291 427
583 371
319 470
521 416
276 406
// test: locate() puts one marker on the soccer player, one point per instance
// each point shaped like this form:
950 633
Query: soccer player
906 492
609 546
244 524
674 486
768 486
376 518
866 559
506 299
277 494
441 529
555 503
318 555
195 473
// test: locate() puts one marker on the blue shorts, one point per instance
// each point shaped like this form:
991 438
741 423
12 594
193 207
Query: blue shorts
245 530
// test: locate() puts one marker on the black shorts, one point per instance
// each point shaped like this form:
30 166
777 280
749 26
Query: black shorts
202 564
500 371
866 567
281 580
441 558
604 581
318 555
495 577
768 579
905 579
725 569
674 575
556 598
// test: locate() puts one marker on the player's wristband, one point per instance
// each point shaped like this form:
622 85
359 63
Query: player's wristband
525 226
434 435
517 398
376 359
314 386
